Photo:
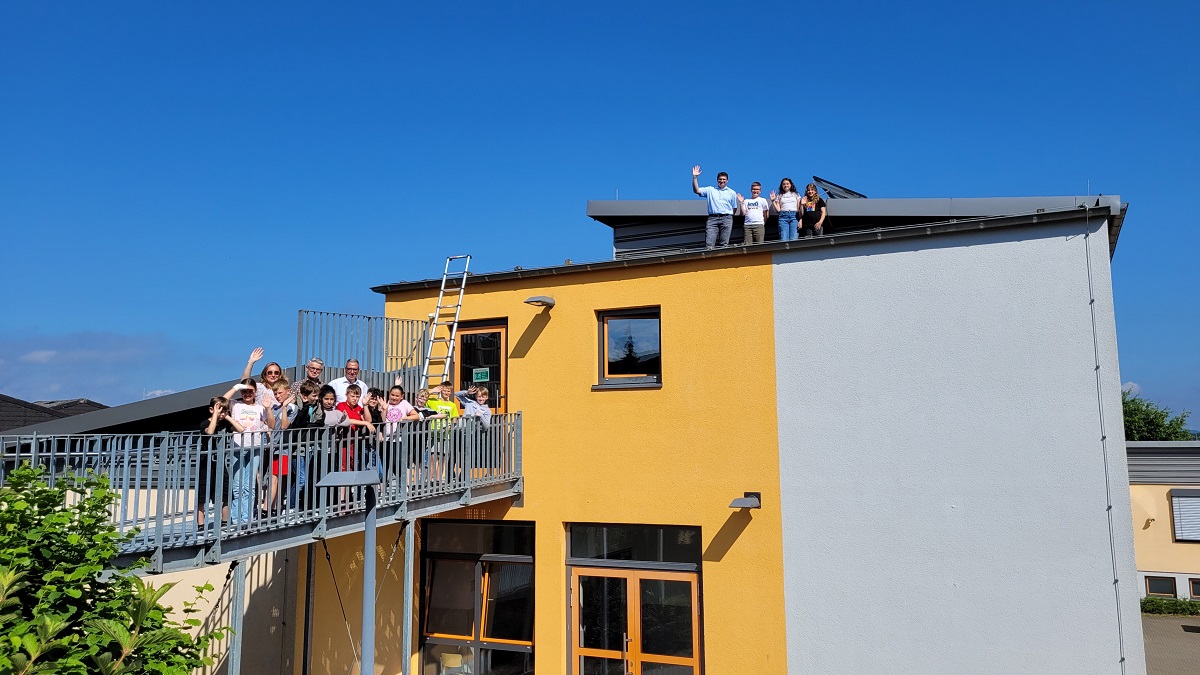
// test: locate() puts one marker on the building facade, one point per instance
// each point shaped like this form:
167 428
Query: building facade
928 417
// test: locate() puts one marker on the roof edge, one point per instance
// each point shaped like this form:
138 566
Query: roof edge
859 236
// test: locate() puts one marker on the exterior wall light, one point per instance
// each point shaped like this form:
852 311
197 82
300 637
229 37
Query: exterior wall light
540 301
751 500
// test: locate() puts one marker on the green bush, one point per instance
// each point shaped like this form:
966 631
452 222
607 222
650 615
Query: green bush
60 610
1170 606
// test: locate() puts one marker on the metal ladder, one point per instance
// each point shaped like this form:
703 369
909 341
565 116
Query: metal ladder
439 362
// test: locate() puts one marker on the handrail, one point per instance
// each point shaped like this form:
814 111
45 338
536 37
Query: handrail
173 487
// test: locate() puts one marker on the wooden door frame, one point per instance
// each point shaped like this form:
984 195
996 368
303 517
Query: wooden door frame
633 608
500 397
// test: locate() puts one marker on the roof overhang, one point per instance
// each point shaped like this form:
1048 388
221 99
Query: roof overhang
1067 211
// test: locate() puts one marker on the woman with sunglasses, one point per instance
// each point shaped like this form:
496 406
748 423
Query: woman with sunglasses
271 374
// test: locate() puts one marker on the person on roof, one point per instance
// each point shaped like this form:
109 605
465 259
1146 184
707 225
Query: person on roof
812 209
755 209
722 200
787 203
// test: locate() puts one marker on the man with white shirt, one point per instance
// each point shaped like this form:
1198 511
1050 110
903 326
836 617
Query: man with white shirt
339 385
755 210
722 201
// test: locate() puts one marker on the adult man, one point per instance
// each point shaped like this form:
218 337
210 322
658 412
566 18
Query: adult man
312 375
755 209
721 202
339 385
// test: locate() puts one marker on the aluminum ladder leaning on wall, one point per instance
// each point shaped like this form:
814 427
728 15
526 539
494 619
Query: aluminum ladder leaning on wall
439 350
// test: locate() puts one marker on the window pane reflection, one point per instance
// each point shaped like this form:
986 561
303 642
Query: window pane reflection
591 665
633 347
666 617
451 598
509 602
602 613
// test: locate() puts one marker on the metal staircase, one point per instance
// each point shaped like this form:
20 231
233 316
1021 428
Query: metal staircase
443 327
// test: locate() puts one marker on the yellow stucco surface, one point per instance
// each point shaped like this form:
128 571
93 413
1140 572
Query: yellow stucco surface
672 456
1153 540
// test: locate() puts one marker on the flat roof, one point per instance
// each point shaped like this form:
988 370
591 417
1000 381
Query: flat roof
882 219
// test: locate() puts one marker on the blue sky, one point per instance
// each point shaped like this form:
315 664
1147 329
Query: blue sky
177 179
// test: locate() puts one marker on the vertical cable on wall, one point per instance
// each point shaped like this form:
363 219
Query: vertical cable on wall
1112 543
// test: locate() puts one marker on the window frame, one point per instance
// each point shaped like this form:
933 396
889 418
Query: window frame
1193 585
1174 585
477 641
606 380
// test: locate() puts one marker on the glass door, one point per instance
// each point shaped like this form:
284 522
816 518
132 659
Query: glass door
635 622
480 349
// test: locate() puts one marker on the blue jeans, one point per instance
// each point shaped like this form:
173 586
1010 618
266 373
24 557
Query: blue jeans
242 465
717 223
788 226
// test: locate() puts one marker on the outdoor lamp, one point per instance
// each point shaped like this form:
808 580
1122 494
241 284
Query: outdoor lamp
540 301
751 500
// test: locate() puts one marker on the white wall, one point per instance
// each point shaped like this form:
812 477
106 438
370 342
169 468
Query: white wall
944 484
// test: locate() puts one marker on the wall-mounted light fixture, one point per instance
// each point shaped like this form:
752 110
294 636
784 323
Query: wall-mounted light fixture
751 500
540 301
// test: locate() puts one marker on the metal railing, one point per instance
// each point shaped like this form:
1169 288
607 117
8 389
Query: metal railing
192 490
385 348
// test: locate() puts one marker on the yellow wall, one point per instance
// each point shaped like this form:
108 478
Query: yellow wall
674 456
269 604
1153 542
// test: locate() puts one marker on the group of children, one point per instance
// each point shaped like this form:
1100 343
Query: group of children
266 408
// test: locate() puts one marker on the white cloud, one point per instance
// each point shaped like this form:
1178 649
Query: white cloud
39 356
1132 387
155 393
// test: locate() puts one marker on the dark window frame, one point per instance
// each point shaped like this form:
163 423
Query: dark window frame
477 641
1174 586
605 380
1193 585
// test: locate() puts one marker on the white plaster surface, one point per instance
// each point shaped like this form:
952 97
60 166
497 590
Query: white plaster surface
944 488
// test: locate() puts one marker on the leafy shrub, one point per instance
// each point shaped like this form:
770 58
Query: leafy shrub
60 611
1170 606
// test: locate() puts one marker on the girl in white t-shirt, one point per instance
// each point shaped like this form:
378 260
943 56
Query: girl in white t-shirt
243 464
787 203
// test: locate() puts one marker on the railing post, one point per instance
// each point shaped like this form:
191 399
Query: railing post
300 363
517 446
471 429
217 465
159 457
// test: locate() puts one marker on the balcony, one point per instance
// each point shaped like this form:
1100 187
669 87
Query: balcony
174 487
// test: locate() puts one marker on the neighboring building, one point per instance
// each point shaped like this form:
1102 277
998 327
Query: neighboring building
73 406
888 450
1165 493
16 413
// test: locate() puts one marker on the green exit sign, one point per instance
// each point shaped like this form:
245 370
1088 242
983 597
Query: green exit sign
480 374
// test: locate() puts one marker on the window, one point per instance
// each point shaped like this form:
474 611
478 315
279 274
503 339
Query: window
1185 514
654 544
1195 588
629 348
478 597
1161 587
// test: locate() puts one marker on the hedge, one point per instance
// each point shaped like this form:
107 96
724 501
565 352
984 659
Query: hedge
1170 606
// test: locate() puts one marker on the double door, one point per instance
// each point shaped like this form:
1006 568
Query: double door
634 622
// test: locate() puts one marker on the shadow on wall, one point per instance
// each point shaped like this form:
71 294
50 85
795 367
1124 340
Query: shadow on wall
531 333
337 603
725 537
268 636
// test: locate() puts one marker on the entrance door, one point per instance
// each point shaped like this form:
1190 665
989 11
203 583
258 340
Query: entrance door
634 622
479 348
